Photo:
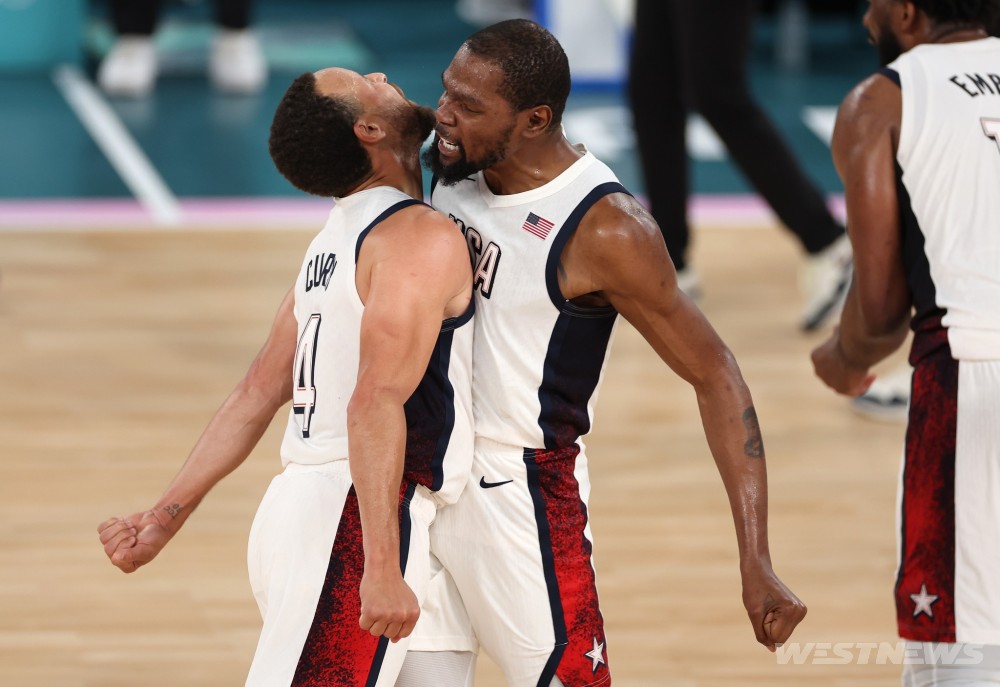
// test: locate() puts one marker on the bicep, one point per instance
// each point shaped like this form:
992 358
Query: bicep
271 370
638 279
402 319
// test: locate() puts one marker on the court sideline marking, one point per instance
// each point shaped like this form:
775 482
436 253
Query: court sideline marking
118 146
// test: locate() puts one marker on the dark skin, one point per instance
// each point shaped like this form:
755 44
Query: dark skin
617 257
876 313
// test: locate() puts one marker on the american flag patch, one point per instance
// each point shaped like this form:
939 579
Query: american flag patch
539 226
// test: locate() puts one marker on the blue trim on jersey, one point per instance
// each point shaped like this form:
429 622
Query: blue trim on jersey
405 528
391 210
430 417
377 661
548 569
572 369
926 311
891 74
567 230
453 323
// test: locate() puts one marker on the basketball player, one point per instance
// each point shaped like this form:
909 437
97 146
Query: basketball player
918 148
560 248
373 347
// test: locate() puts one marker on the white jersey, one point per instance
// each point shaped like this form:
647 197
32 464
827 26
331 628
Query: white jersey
949 160
539 359
328 309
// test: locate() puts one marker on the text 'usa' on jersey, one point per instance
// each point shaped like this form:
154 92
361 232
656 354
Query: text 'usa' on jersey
538 358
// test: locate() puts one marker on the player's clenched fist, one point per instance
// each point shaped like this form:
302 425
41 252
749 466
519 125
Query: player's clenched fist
388 606
773 609
134 541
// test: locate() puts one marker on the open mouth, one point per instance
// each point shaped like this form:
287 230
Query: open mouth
446 146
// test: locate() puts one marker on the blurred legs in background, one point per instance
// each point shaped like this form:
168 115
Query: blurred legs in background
691 57
486 12
236 63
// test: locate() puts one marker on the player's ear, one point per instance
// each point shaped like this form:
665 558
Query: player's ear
907 14
537 120
368 131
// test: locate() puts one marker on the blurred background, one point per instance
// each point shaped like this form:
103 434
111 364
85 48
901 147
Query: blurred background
146 242
186 150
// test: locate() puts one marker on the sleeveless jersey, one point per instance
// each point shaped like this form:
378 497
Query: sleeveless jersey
949 191
539 359
328 309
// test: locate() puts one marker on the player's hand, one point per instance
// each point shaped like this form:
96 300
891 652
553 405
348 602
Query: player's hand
132 542
388 605
837 372
773 609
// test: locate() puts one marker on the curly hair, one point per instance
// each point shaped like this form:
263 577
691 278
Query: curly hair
978 12
312 141
534 65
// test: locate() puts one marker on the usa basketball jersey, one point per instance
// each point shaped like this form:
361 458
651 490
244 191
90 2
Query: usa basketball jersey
951 231
325 371
539 358
948 183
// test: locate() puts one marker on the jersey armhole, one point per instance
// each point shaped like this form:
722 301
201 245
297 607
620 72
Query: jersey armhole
390 211
567 230
890 74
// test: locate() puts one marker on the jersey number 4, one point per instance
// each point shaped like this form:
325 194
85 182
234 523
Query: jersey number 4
991 127
304 375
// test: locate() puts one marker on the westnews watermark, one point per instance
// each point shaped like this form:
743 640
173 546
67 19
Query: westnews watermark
879 653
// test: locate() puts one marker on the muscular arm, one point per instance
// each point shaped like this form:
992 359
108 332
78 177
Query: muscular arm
877 311
230 436
413 272
619 255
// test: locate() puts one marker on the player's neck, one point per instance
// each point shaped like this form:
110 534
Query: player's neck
955 32
532 166
409 183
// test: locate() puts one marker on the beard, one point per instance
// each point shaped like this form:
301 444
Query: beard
451 174
419 124
887 46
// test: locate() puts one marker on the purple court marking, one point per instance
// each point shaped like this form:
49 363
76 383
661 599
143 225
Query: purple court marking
297 213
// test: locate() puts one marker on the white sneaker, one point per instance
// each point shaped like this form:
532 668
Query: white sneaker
888 398
689 282
825 280
486 12
237 64
130 67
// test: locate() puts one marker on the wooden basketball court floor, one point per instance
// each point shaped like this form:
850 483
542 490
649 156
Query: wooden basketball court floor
116 347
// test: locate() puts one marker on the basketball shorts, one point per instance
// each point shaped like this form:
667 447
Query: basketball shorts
516 551
305 560
948 584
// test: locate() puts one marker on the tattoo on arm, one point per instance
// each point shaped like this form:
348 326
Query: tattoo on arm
173 510
754 446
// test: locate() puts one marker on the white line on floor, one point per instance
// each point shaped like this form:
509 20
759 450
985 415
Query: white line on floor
117 144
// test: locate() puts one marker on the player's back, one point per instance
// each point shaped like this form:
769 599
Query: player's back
328 310
949 166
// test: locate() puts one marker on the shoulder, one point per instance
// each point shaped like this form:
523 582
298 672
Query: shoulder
618 221
421 231
870 106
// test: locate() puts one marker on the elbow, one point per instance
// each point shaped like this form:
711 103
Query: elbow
369 402
723 373
881 321
267 391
